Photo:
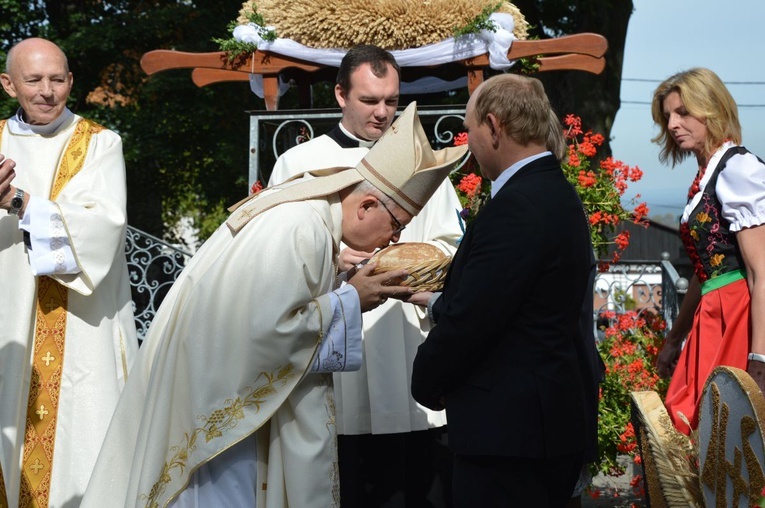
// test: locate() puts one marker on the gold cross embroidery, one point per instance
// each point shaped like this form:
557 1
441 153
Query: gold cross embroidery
36 466
50 333
48 358
52 305
41 412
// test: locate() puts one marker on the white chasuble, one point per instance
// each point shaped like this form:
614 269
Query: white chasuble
377 398
226 363
92 339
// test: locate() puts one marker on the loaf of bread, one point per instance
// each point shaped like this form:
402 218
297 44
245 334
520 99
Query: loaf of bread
425 263
405 255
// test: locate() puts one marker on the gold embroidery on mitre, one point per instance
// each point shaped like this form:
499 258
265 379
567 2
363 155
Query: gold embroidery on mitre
218 422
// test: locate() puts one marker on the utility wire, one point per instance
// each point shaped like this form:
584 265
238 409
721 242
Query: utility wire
646 80
646 103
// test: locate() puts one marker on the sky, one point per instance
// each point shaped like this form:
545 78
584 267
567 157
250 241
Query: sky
665 37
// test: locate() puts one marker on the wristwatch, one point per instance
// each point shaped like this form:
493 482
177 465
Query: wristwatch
17 202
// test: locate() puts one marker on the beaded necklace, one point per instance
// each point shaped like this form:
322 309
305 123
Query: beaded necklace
696 181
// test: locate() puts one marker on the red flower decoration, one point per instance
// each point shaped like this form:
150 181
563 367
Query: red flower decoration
600 189
461 139
256 187
470 184
629 350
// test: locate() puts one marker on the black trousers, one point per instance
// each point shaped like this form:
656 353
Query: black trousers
514 482
406 470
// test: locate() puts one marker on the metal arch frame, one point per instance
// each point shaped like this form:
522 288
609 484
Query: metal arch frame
259 119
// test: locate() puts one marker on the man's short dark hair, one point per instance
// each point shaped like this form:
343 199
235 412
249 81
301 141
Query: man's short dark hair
377 58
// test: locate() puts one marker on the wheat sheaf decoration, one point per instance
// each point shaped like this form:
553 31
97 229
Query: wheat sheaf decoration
390 24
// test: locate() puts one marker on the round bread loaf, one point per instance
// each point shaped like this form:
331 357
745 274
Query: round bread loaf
425 263
405 255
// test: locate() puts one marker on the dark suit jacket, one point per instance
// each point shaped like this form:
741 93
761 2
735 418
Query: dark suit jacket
506 351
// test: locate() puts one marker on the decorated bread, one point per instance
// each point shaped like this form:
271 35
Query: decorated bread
425 263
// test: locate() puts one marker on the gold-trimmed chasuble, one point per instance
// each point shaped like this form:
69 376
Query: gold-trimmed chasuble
44 389
48 352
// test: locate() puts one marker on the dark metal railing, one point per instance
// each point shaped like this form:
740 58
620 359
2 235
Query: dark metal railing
153 266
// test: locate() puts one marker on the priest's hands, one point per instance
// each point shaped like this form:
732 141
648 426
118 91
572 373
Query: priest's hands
374 290
7 173
349 258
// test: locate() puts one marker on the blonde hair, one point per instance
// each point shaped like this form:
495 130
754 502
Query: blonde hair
706 98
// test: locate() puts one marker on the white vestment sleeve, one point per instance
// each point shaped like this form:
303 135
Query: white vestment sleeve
340 350
93 206
50 250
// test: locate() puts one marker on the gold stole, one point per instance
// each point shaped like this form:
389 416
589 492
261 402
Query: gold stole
48 351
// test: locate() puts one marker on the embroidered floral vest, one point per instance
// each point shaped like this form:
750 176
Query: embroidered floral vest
712 247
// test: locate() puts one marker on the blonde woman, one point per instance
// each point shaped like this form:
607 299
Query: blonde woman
723 314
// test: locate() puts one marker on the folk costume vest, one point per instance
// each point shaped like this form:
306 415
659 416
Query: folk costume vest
711 246
48 351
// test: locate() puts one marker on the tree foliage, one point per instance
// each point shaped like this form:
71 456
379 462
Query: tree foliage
594 98
186 148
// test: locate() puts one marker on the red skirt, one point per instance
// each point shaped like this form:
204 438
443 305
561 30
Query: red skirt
720 335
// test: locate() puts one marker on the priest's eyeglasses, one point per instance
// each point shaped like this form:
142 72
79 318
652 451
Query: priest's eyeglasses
399 227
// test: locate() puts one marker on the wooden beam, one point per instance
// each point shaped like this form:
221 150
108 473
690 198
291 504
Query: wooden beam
571 52
582 52
584 43
585 63
271 91
202 76
260 62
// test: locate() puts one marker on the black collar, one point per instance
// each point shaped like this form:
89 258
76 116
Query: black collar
342 139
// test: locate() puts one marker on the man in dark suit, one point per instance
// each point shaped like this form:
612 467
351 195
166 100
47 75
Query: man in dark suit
505 357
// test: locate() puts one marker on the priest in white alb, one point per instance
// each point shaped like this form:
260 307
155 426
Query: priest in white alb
67 334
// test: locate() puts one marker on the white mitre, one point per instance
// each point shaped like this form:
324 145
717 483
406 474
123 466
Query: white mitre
402 165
